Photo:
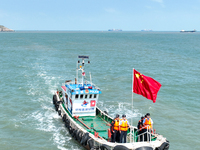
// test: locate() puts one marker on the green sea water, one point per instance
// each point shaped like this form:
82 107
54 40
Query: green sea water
34 64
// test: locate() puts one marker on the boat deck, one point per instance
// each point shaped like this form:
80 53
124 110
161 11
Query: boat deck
99 124
96 123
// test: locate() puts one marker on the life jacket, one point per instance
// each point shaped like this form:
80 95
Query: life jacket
147 124
124 125
116 125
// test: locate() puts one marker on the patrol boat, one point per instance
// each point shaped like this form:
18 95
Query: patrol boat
76 103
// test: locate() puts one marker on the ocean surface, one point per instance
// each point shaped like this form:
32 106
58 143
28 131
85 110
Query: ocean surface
33 65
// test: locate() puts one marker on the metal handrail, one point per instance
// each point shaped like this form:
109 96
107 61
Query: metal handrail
142 134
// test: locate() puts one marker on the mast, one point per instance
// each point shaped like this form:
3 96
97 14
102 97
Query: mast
82 66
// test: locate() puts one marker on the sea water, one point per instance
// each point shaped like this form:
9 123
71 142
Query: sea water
35 64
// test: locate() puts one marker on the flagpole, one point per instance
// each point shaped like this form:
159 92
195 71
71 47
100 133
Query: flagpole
132 104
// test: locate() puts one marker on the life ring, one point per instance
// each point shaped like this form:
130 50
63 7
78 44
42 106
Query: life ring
84 139
59 112
144 148
64 117
104 147
120 147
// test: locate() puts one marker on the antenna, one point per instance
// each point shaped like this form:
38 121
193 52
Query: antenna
81 67
90 78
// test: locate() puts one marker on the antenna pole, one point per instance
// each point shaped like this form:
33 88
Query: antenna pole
90 78
77 72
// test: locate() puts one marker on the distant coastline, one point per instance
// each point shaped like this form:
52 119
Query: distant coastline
5 29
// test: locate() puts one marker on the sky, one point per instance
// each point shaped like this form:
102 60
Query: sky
100 15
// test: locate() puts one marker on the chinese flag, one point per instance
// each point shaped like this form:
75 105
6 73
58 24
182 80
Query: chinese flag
145 86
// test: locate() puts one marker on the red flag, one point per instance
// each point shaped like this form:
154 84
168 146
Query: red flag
145 86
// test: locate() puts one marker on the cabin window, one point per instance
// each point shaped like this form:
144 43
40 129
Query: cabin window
76 96
95 95
90 95
81 96
86 96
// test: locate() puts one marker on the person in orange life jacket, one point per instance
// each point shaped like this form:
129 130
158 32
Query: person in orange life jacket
123 127
112 128
140 128
115 130
148 126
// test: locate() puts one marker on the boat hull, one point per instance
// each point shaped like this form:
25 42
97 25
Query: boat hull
84 135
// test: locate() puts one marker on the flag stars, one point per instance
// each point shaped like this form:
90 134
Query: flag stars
137 75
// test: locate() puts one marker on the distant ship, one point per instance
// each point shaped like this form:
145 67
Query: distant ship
114 29
147 30
188 31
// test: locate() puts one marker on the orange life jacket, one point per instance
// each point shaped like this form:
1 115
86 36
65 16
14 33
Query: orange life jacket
116 125
124 125
147 123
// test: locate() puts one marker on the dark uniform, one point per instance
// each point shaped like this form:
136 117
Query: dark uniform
140 130
116 134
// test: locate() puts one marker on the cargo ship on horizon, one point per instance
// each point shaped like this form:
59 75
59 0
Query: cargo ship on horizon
114 29
188 31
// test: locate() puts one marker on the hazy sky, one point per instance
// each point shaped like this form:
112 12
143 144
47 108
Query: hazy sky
128 15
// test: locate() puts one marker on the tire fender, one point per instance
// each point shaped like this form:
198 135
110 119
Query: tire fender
80 135
120 147
104 147
91 143
84 139
59 112
144 148
74 133
164 146
64 118
54 99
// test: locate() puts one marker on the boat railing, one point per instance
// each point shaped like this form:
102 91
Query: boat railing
136 137
143 134
68 82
